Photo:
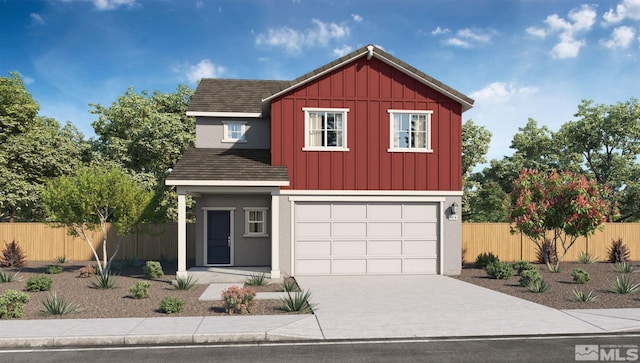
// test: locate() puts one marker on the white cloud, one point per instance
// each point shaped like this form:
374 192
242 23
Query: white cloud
345 49
204 69
27 80
467 38
102 5
578 20
622 37
293 40
440 30
537 32
36 19
626 9
499 92
357 18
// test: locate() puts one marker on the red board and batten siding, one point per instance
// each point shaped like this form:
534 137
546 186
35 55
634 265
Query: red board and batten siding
368 88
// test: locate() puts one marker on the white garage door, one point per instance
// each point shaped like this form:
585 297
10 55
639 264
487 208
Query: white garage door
352 238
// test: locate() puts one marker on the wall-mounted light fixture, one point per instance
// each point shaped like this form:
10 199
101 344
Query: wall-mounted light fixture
454 208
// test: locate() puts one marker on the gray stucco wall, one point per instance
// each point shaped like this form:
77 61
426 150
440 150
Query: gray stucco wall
247 251
452 239
209 133
285 235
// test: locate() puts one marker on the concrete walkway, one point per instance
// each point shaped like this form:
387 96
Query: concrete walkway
348 308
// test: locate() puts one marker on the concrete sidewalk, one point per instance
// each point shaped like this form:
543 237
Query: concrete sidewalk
382 307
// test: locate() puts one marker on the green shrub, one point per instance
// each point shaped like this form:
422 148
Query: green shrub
182 283
12 255
54 305
623 267
485 258
153 270
290 285
140 290
238 300
523 265
298 302
257 280
624 285
12 304
581 296
170 305
499 270
580 276
538 286
60 259
8 277
618 252
586 259
86 271
38 283
529 276
105 281
54 269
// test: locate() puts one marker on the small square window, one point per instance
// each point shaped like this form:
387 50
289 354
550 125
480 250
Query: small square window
234 131
255 222
325 129
410 131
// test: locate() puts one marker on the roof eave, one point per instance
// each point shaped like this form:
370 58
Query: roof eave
228 183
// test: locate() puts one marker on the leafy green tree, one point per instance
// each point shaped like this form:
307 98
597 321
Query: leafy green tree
489 203
33 149
475 145
563 205
93 197
607 137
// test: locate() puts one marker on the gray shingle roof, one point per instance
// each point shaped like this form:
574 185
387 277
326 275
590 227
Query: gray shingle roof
227 164
233 95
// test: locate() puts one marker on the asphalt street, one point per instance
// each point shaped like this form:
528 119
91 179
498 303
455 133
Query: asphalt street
534 349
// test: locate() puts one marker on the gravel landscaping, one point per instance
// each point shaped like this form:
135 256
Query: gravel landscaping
117 302
561 284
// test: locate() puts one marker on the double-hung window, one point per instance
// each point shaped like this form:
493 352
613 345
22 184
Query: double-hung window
325 129
234 131
410 131
255 222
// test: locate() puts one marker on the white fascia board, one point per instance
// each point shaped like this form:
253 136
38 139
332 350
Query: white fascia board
229 183
417 193
203 190
224 114
366 198
465 105
314 77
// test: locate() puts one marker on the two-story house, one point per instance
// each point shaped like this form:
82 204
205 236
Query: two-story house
353 168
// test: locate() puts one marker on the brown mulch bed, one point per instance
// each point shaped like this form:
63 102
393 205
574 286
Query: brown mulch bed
117 303
561 284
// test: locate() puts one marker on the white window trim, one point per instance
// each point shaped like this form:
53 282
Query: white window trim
344 111
225 131
428 149
247 232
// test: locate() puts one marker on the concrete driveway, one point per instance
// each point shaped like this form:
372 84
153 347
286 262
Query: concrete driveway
351 307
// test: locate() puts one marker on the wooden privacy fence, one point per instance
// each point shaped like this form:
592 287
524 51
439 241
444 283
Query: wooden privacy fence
496 238
44 243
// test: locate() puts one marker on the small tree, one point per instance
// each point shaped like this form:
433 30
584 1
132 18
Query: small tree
91 199
566 205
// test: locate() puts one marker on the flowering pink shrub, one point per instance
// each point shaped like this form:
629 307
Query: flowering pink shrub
238 300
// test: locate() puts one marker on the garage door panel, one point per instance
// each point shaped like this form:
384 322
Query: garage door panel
385 248
313 229
419 248
420 266
420 229
349 212
313 267
314 248
385 266
358 238
384 211
349 248
384 229
350 267
349 229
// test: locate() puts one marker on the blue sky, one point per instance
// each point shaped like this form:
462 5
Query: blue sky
517 59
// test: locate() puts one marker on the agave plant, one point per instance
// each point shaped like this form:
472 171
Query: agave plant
184 283
582 296
54 305
298 302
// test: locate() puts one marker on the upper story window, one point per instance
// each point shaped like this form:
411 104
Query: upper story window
325 129
410 131
234 131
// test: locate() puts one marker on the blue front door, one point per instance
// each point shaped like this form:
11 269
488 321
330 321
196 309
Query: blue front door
219 237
